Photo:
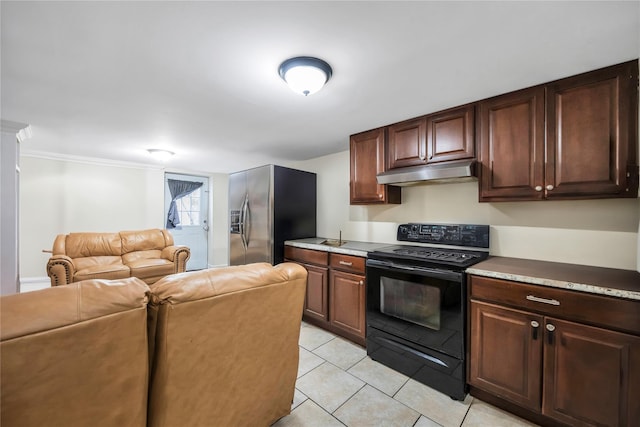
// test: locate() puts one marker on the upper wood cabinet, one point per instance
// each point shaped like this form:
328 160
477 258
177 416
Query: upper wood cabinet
367 150
511 133
591 125
439 137
408 143
450 135
588 150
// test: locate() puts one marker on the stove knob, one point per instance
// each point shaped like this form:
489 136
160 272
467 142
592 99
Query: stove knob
403 230
414 228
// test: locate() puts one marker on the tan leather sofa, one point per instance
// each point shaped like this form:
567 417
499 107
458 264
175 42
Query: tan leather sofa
75 355
146 254
213 347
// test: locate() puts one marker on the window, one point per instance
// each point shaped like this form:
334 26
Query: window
189 208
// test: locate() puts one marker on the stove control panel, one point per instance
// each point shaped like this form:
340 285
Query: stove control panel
468 235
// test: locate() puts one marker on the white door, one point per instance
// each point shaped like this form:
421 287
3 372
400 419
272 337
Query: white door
192 210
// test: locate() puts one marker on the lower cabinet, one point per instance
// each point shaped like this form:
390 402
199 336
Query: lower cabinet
336 291
316 302
347 303
567 371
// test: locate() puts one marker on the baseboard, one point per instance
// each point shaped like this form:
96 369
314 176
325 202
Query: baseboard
217 266
28 284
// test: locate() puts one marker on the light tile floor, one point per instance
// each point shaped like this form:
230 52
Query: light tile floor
338 385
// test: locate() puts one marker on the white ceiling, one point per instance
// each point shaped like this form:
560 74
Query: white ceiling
112 79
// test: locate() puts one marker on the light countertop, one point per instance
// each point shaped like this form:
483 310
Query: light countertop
350 248
596 280
583 278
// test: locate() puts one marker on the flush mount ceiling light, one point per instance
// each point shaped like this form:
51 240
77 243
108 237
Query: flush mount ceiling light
159 154
304 74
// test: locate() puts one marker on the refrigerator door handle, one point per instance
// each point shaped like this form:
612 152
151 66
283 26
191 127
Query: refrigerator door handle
242 219
246 229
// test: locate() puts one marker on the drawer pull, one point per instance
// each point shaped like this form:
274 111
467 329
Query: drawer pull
543 300
348 264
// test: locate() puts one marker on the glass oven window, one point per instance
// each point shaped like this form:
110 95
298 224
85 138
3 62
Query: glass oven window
413 302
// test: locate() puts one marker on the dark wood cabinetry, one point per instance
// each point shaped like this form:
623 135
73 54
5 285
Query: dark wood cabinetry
506 356
588 149
439 137
408 143
336 289
532 346
316 305
367 152
511 133
316 302
451 135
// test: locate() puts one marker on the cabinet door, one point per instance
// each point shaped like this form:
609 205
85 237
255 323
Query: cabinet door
590 126
506 353
511 130
450 135
591 375
367 152
408 143
316 302
347 311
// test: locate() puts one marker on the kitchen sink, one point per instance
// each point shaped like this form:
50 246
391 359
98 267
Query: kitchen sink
333 242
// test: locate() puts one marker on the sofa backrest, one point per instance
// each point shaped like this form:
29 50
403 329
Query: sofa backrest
226 345
75 355
145 240
81 245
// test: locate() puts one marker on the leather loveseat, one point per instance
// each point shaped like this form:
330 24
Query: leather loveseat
146 254
212 347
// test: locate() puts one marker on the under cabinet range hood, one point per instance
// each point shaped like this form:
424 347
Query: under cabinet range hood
452 171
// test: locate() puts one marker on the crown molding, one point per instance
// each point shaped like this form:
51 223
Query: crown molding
87 160
21 130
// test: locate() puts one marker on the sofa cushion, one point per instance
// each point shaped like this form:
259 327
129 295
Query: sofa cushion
103 271
79 245
143 240
137 255
151 267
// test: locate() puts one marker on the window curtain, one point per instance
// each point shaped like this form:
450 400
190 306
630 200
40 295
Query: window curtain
178 189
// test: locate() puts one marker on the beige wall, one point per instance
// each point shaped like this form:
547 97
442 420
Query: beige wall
593 232
59 196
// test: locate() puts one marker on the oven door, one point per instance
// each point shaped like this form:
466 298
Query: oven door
423 308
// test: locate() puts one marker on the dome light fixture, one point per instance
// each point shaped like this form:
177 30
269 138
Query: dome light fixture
304 74
161 155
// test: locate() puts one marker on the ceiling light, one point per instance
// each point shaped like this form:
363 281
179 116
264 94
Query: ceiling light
161 155
305 75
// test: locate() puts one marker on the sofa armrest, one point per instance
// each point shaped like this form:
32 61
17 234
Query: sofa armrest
61 270
179 255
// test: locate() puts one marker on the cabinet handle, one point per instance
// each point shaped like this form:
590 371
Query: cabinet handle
538 188
549 187
348 264
543 300
379 196
534 329
550 328
361 283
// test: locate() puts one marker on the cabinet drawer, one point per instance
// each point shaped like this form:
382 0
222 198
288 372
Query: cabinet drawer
615 313
350 263
306 255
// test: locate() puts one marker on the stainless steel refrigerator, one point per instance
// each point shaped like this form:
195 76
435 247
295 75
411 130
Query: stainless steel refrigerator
268 205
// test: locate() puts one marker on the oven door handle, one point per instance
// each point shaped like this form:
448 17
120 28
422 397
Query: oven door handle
420 271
